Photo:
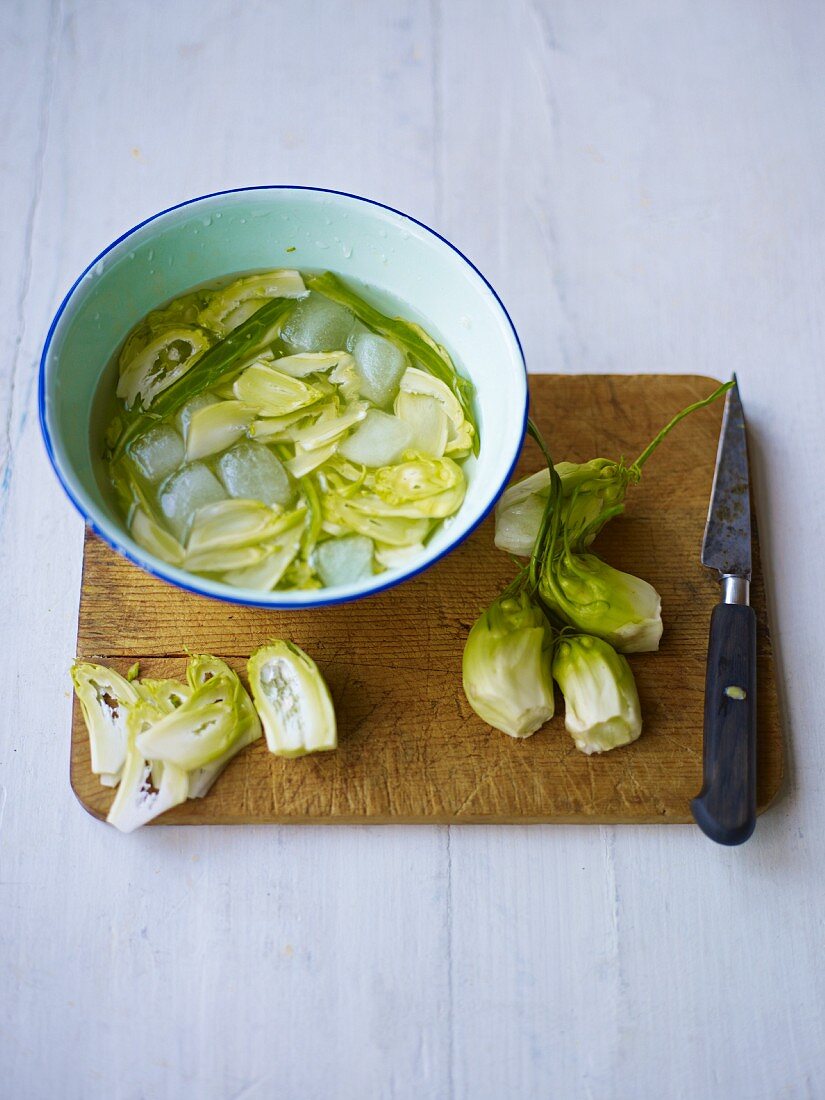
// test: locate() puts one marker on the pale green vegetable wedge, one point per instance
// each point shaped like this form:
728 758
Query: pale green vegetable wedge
312 362
273 393
232 523
292 699
429 422
164 360
149 534
145 792
461 434
233 304
106 700
201 729
278 555
213 428
200 669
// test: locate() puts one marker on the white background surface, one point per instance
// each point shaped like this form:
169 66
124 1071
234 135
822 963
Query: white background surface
644 183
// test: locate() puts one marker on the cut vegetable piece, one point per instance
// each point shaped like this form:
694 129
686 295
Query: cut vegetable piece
317 324
251 471
157 453
379 440
461 434
380 364
110 779
201 729
346 379
331 425
398 557
191 488
233 304
276 428
419 487
167 695
308 459
602 709
216 427
273 393
149 534
292 699
278 555
200 669
344 560
311 362
184 416
164 359
506 666
232 523
356 513
145 791
224 558
427 419
106 700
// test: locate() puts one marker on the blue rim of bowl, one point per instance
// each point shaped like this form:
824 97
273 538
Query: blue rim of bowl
243 600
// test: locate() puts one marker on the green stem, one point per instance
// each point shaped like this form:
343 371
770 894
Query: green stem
651 447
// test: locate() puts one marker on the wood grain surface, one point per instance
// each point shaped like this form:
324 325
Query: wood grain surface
410 747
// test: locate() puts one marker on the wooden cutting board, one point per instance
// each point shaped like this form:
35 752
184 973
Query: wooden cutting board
411 749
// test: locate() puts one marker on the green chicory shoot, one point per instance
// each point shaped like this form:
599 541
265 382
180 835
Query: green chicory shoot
591 493
602 709
506 666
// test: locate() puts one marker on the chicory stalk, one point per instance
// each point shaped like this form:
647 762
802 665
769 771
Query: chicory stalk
591 493
593 597
506 666
602 709
292 699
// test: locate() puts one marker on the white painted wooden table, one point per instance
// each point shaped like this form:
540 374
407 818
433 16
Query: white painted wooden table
644 183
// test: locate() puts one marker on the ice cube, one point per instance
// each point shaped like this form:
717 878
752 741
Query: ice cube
192 406
192 487
355 332
379 440
250 471
317 324
380 365
157 453
344 560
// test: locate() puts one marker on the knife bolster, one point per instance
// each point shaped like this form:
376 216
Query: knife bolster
736 589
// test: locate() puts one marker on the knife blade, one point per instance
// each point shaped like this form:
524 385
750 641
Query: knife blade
725 808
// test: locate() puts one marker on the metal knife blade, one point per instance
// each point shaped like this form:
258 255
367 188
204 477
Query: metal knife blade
727 543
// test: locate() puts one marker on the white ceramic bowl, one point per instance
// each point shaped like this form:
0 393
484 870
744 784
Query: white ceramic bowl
404 266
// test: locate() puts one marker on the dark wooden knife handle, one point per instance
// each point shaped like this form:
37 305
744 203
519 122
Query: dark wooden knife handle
725 808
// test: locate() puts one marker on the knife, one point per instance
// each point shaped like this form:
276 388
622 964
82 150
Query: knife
725 808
